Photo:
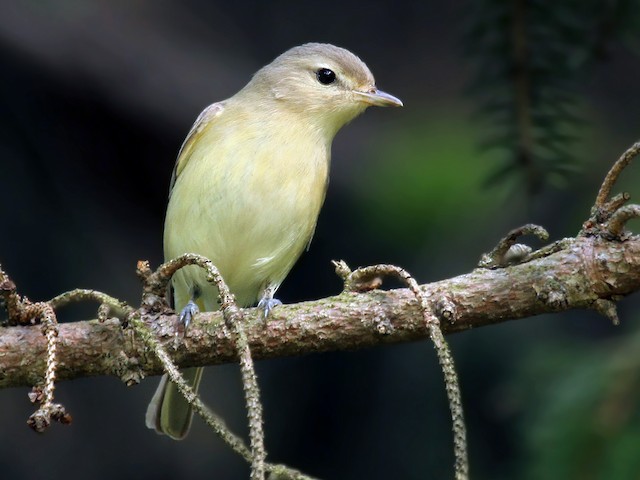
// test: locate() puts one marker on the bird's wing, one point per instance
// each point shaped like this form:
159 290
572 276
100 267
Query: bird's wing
313 232
204 119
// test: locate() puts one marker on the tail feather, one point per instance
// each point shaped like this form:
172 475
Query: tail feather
168 412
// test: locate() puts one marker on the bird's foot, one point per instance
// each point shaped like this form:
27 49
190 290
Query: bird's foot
267 304
187 313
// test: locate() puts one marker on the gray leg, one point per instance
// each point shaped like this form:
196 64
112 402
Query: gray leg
190 310
267 302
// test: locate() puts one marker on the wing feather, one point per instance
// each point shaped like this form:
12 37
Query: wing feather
204 119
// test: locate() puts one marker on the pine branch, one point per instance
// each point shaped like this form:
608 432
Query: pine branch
585 272
531 58
593 270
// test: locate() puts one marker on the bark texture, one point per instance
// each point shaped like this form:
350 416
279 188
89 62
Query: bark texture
584 272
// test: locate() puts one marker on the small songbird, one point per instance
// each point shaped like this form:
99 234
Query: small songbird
248 185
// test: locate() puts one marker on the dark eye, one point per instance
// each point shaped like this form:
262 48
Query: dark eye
326 76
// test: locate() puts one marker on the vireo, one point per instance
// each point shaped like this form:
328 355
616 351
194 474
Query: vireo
248 185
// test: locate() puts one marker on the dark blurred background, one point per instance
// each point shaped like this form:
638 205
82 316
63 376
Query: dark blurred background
95 100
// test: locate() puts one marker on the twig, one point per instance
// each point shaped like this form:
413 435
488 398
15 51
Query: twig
282 472
10 297
211 419
21 310
231 439
155 283
109 306
612 177
41 418
599 222
353 281
507 251
618 220
608 309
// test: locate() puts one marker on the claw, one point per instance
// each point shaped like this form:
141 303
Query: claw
187 313
267 304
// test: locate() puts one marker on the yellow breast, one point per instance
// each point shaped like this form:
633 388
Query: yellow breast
247 198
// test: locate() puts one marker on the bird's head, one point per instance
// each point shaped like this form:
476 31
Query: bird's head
321 82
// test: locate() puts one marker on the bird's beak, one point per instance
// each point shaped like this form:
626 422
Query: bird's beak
378 98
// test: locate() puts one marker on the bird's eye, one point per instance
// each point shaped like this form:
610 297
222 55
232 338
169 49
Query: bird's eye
326 76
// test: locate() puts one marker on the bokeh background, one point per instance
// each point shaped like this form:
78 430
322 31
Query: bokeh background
95 100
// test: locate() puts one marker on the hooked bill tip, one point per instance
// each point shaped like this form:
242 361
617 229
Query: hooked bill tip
379 98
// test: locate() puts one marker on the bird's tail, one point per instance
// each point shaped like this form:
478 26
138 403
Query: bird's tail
168 412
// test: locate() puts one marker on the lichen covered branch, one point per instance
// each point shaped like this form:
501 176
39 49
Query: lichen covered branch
576 275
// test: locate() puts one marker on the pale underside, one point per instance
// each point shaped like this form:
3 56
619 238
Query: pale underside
255 206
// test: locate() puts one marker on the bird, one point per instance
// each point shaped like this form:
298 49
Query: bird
248 185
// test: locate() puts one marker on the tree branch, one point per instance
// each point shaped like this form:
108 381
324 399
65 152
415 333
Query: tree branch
594 270
585 272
